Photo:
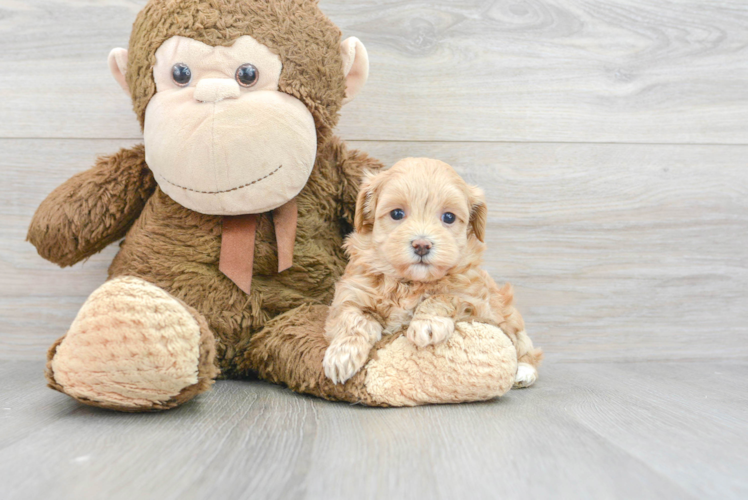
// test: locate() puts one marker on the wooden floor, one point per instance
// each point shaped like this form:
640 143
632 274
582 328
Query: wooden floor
611 137
587 430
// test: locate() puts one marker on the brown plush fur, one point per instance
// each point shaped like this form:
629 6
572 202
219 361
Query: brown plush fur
92 209
285 352
276 331
178 250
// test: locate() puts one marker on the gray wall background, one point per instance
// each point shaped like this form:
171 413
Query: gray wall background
610 136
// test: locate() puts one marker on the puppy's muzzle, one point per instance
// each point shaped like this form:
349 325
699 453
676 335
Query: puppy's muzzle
421 247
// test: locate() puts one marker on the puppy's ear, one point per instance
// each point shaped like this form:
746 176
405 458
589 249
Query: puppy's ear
366 204
478 212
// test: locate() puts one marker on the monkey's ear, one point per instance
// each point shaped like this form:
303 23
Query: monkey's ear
118 67
355 66
478 213
366 205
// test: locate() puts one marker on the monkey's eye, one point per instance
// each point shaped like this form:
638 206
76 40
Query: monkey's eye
449 218
247 75
397 214
181 74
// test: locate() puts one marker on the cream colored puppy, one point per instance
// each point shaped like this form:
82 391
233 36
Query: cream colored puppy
415 262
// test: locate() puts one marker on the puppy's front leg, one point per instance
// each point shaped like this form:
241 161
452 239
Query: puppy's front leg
434 319
351 333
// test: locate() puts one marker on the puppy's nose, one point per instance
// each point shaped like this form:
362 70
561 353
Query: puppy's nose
421 247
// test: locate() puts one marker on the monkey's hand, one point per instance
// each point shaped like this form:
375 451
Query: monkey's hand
92 209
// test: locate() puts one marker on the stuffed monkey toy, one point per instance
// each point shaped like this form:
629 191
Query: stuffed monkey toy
233 214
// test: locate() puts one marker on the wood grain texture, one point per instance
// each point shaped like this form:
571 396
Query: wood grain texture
444 70
618 252
635 430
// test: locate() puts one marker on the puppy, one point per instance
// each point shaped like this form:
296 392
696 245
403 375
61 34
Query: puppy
415 262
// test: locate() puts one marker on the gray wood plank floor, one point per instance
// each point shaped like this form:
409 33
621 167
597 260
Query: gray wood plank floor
587 430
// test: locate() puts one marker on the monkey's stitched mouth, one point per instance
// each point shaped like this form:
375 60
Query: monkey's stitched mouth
225 190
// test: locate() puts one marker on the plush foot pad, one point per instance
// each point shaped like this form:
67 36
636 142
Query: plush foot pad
133 347
477 363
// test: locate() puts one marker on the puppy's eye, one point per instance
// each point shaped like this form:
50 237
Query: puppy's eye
449 218
397 214
247 75
181 74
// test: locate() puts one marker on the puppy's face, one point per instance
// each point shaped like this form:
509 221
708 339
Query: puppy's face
423 220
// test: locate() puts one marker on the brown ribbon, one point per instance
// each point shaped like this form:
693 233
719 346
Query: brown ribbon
238 243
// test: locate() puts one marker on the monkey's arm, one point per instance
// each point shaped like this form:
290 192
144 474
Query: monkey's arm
92 209
353 164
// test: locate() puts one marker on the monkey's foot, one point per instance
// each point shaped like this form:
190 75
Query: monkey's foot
133 347
477 363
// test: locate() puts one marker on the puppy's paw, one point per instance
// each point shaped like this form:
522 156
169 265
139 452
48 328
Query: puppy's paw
526 375
345 357
433 330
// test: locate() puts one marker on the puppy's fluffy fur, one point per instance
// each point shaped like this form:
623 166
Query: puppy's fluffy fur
415 262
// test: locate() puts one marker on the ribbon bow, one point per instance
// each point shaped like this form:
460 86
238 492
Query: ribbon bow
238 243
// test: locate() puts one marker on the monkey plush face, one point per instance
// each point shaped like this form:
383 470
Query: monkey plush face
219 136
234 98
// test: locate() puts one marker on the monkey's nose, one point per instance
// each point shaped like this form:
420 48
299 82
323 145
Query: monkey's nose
421 247
216 90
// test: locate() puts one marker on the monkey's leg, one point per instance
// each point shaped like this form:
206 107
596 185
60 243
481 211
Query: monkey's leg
477 363
133 347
